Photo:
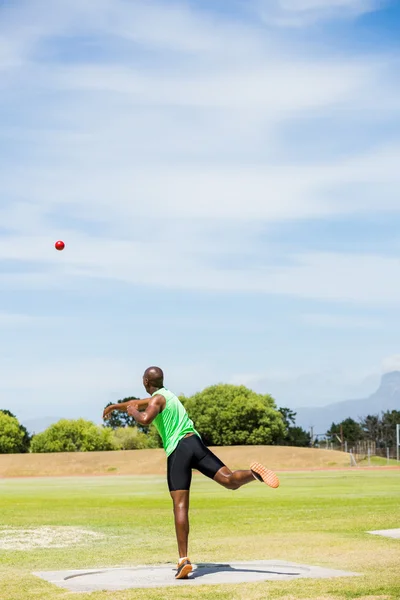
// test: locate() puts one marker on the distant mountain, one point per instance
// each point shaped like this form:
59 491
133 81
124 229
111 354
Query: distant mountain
387 397
40 424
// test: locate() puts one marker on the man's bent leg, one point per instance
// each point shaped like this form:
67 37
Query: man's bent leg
180 499
233 480
210 465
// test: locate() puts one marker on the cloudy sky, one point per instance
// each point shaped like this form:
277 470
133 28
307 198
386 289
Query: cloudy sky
225 175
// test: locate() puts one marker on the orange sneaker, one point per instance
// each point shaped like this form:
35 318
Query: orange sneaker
184 567
265 475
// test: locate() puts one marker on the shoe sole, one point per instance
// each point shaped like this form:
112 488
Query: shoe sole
184 572
267 476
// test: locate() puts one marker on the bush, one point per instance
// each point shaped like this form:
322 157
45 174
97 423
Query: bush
73 436
130 438
153 437
11 435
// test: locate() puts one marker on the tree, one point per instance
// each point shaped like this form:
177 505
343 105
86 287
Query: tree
73 436
120 419
289 416
372 428
352 431
26 440
389 421
293 435
381 429
299 437
11 434
229 415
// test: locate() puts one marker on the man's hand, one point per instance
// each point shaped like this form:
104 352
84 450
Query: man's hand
132 405
107 411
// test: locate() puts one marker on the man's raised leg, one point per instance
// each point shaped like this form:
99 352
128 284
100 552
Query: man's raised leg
233 480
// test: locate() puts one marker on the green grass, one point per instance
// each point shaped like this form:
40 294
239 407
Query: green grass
315 518
378 461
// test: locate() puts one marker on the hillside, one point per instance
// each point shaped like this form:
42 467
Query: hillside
153 462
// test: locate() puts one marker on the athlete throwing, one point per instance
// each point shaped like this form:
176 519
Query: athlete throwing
185 451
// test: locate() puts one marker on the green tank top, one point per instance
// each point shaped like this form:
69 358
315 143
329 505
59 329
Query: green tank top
173 422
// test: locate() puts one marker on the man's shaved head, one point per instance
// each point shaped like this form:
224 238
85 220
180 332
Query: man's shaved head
153 378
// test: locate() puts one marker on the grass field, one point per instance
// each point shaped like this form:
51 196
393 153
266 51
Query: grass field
318 518
378 461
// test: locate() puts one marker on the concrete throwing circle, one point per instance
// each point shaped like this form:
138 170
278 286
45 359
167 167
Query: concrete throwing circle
203 574
390 533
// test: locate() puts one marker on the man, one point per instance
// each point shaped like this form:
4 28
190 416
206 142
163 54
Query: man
185 451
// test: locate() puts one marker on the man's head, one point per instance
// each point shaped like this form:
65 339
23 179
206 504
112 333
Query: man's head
153 379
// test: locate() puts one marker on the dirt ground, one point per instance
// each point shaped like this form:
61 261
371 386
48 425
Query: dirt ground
153 462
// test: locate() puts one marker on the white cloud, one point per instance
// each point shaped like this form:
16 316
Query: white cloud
277 85
90 374
391 363
164 143
297 13
191 144
181 264
9 55
342 321
152 26
15 319
81 387
176 27
66 387
120 194
302 386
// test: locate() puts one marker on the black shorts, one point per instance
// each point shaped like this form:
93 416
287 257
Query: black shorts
190 454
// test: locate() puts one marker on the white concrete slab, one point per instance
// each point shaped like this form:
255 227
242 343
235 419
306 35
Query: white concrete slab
203 574
390 533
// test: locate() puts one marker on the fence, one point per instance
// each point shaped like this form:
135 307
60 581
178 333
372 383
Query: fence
360 450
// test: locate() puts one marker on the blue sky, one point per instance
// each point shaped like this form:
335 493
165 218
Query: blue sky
226 178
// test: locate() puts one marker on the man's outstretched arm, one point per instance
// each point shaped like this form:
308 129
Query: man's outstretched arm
155 405
123 406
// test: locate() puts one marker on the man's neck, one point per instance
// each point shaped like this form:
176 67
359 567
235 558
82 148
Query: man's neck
153 390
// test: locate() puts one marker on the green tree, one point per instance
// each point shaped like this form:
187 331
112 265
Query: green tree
352 431
229 415
73 436
26 440
289 416
293 435
389 420
299 437
372 428
11 435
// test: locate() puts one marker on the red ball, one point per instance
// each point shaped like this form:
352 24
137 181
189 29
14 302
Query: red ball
59 245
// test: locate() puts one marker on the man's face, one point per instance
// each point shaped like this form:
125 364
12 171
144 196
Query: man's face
146 383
